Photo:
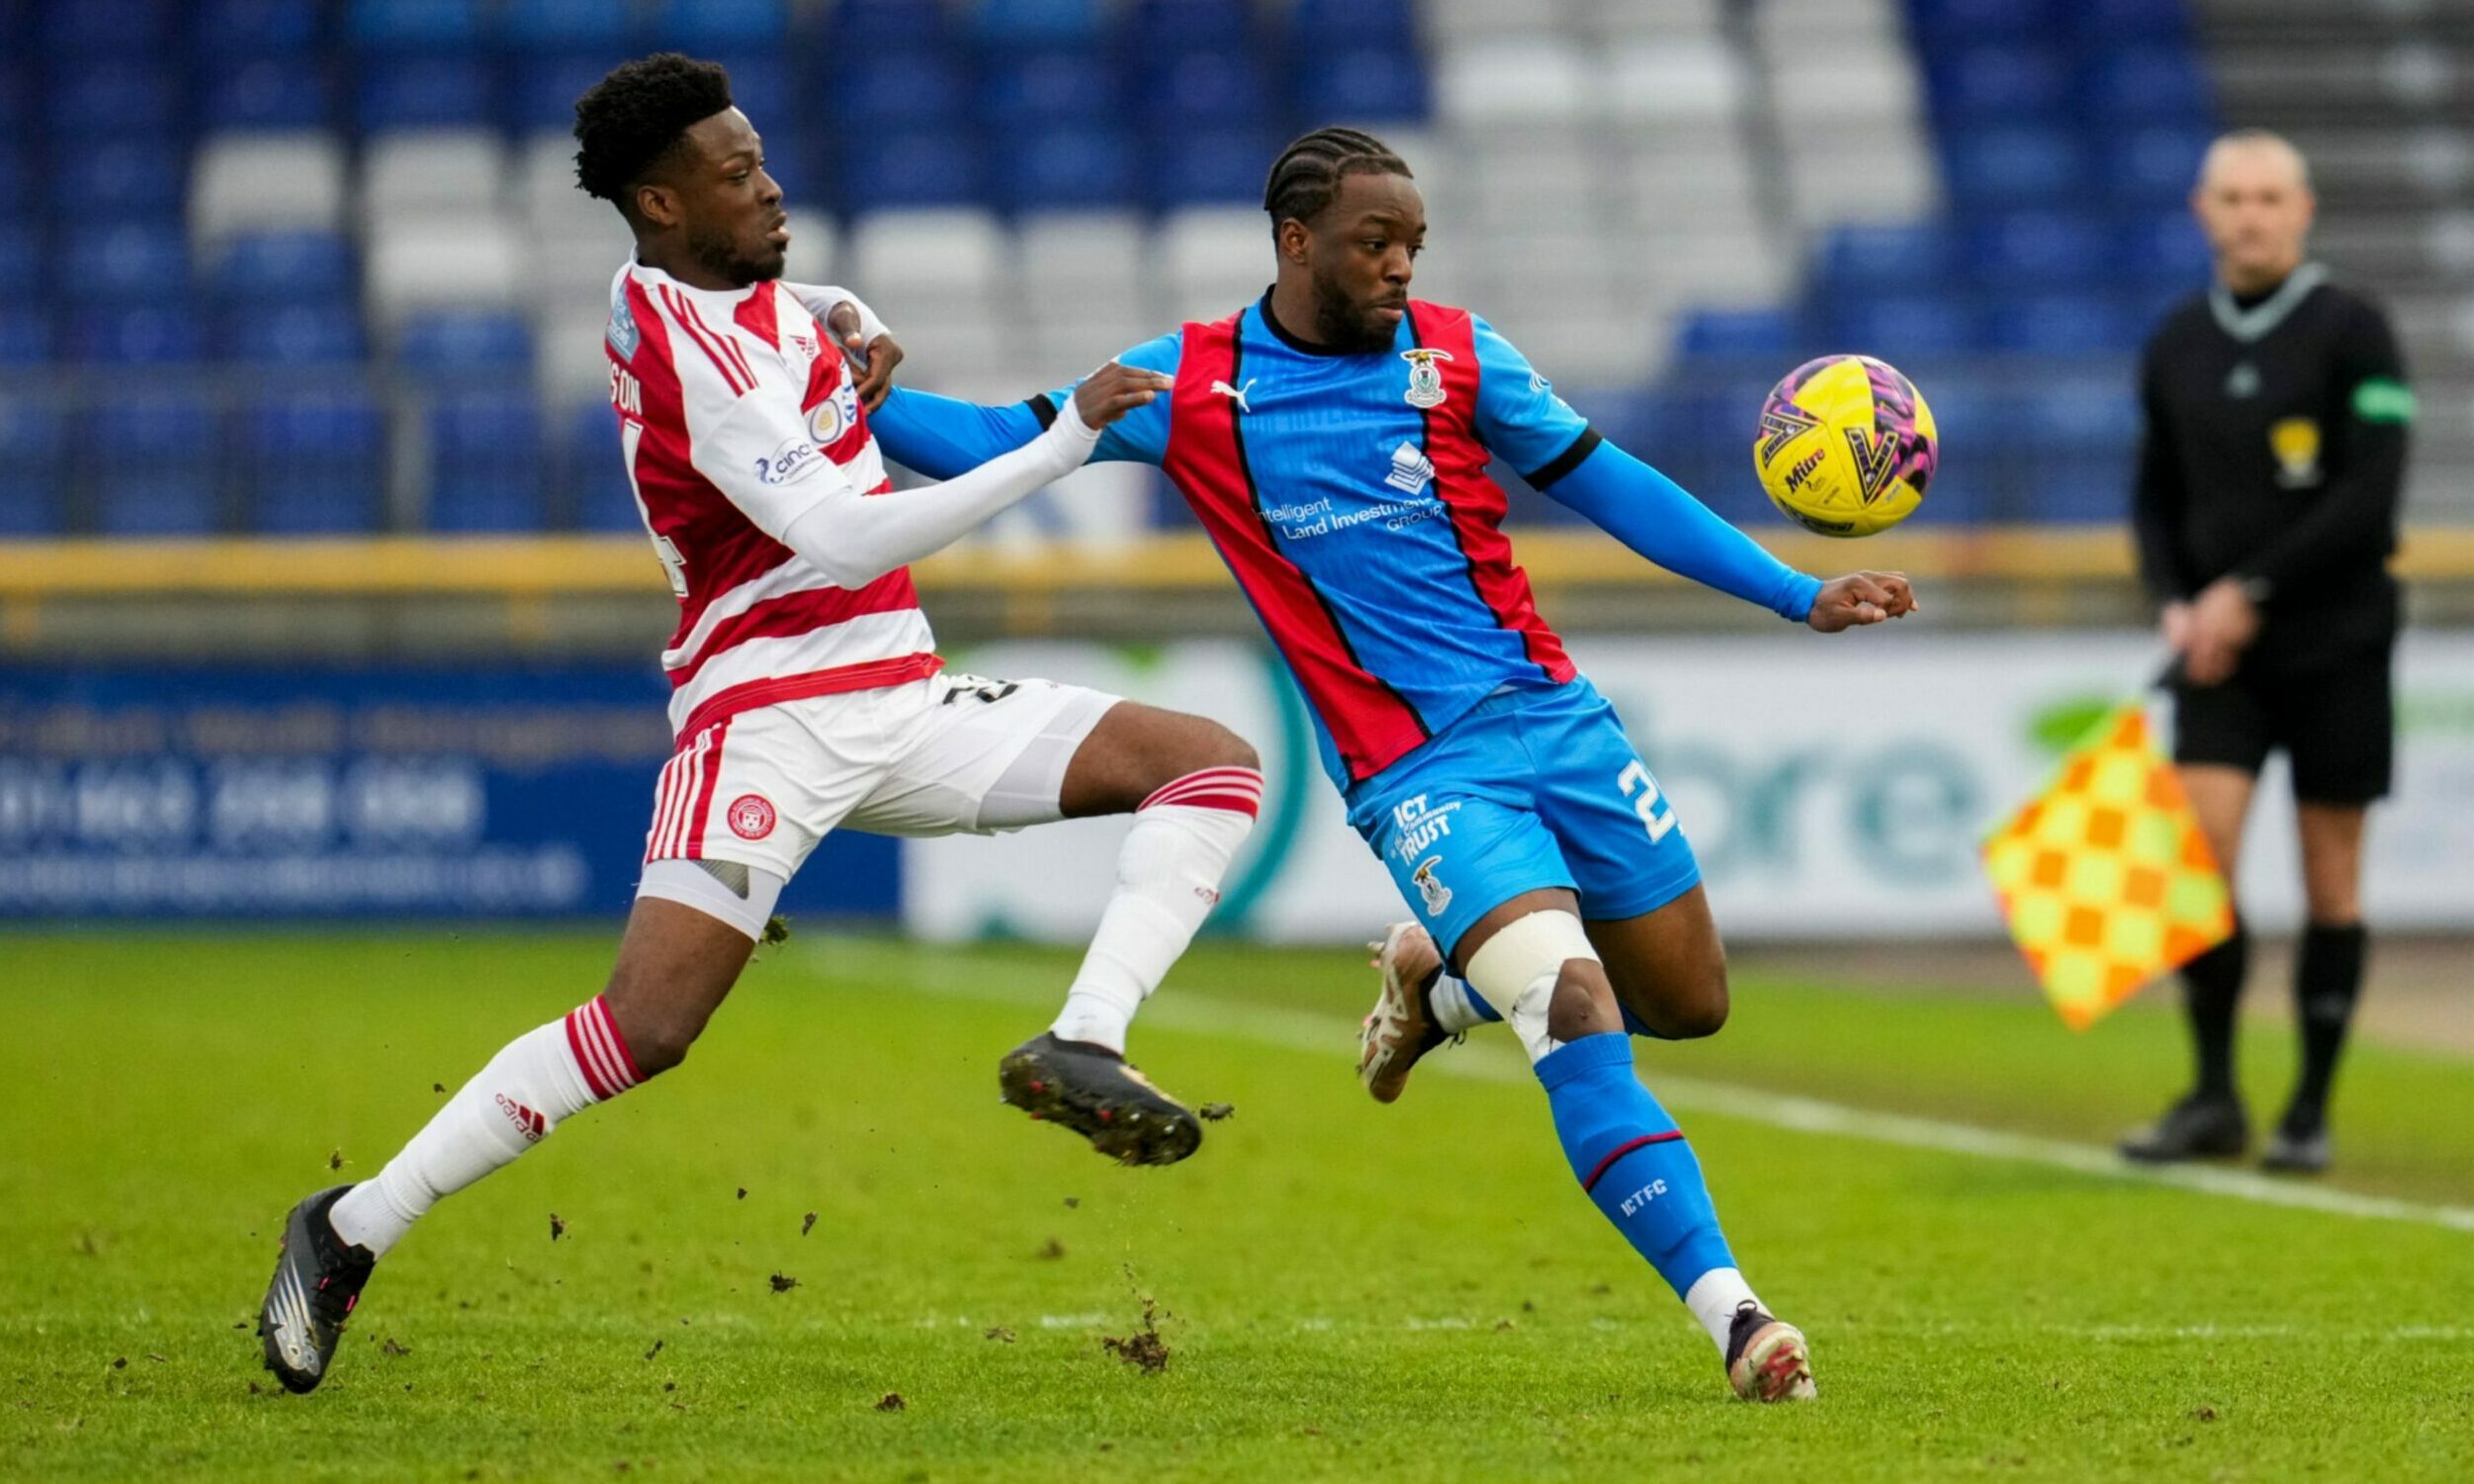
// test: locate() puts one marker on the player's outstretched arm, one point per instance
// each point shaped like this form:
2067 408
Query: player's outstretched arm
941 436
1655 517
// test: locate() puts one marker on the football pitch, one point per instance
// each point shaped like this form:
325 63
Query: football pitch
822 1250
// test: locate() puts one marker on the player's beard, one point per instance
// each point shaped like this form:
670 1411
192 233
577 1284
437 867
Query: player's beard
718 254
1343 324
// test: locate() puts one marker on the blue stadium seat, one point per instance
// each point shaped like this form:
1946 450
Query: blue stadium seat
26 339
324 332
465 345
2091 488
278 266
1317 24
543 88
902 87
34 451
312 463
1938 20
86 28
915 167
115 95
2059 325
1065 166
2147 84
1202 90
132 176
567 26
1013 22
792 160
2036 250
2162 247
760 84
1889 257
2016 165
1157 28
287 92
378 25
21 255
1770 333
592 473
2000 83
1369 84
2153 166
702 27
153 461
2103 23
17 100
1213 168
19 180
126 262
238 28
862 28
137 334
1046 85
1900 329
422 92
485 463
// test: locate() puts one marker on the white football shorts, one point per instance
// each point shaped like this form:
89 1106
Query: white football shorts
948 754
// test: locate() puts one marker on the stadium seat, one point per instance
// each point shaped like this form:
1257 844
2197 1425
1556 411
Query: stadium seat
312 463
867 28
572 363
153 461
388 25
1854 85
33 449
1041 86
542 88
408 178
1772 334
264 183
1007 23
266 267
1201 90
1535 79
1213 260
1369 84
115 94
2155 166
899 89
2000 84
2152 84
486 462
1067 166
17 100
1449 25
1887 257
464 346
444 262
761 87
2016 165
2059 325
22 255
1389 24
1901 330
1939 22
2034 250
127 262
234 30
704 27
1650 19
308 332
267 93
592 470
2106 22
25 340
567 26
130 176
2162 245
1883 173
1212 166
410 92
921 167
90 29
960 251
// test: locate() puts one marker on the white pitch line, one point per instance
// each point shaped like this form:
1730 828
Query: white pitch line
1298 1030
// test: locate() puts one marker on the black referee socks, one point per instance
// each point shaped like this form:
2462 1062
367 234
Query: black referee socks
2211 988
2327 979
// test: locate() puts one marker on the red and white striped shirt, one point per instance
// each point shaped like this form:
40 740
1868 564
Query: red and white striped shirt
737 415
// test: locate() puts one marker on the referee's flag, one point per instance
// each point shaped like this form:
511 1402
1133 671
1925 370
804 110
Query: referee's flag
2105 878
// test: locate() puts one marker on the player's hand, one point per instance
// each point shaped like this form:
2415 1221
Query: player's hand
1861 598
878 357
1115 390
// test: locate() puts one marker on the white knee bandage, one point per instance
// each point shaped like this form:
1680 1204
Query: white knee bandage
1517 969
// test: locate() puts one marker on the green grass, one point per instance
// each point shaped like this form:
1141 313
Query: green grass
1346 1292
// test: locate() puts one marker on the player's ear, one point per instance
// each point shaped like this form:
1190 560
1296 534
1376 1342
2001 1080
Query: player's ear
1294 240
657 203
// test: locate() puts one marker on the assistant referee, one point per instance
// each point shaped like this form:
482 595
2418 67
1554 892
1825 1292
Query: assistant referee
2266 510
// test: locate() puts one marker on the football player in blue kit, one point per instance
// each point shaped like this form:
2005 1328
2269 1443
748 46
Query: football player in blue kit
1333 439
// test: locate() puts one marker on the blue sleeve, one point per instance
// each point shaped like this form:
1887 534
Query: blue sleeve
1655 516
1142 435
1520 418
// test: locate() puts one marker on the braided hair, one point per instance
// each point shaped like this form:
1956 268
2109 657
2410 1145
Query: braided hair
1306 177
636 117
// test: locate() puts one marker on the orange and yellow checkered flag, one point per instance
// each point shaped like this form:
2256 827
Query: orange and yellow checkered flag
2105 879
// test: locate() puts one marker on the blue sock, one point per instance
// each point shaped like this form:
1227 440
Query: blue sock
1633 1024
1630 1158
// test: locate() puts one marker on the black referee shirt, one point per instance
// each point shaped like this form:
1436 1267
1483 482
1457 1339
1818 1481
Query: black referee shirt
2274 452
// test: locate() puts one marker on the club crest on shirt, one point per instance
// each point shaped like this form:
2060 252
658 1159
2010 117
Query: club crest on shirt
623 333
2295 441
1426 383
752 817
829 419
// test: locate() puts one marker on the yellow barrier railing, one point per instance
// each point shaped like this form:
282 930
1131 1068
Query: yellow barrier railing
563 566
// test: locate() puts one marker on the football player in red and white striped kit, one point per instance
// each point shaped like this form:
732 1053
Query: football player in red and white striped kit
807 695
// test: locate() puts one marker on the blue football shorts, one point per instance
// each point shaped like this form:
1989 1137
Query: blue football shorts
1530 789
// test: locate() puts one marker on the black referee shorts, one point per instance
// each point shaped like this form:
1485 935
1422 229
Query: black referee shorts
2333 714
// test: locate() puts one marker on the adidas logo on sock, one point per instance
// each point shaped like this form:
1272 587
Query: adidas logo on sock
527 1122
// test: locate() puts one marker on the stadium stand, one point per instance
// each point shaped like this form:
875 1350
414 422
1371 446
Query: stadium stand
1665 202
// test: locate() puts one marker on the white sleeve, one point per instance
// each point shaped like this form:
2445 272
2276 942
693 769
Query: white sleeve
854 538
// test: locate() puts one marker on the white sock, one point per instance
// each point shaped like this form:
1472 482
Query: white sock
1713 1299
1452 1006
509 1105
1168 879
